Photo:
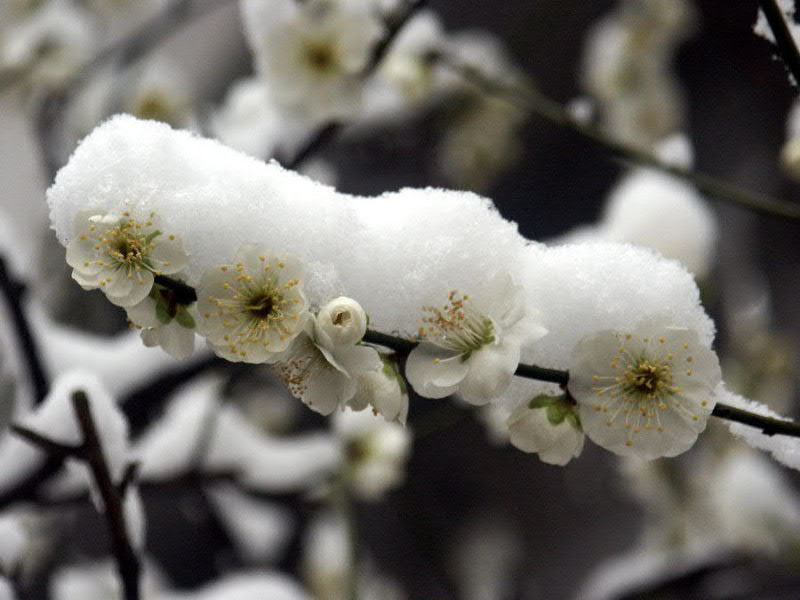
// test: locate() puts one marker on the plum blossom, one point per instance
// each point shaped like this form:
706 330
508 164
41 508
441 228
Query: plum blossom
471 345
121 254
252 310
549 426
647 392
164 322
385 390
323 366
375 451
310 54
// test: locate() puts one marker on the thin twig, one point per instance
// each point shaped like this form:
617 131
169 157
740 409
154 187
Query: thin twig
13 292
783 37
90 451
45 444
125 556
768 425
326 133
554 112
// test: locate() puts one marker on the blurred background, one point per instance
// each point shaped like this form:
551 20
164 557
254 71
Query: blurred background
473 517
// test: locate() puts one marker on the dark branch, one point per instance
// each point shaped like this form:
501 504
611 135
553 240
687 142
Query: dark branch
554 112
768 425
13 292
182 293
783 37
47 445
125 556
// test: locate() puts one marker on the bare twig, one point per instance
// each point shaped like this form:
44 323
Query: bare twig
13 292
783 37
125 556
554 112
90 451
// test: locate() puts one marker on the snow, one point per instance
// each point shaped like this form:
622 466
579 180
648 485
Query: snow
784 449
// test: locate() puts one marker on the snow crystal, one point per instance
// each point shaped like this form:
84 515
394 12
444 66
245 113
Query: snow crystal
393 253
784 449
583 288
262 461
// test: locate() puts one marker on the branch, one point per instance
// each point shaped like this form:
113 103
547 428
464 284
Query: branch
783 37
125 556
13 292
328 132
768 425
554 112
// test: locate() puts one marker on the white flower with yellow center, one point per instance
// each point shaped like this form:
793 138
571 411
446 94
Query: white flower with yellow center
645 393
253 309
311 54
472 345
121 254
323 367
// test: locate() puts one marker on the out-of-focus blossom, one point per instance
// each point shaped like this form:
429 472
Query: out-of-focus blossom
627 69
375 452
310 55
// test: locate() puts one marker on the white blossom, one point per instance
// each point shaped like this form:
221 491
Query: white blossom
385 390
647 392
375 452
549 426
253 309
471 345
311 54
164 322
120 254
323 374
48 43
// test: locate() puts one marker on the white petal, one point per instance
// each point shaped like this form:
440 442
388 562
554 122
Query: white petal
430 375
490 372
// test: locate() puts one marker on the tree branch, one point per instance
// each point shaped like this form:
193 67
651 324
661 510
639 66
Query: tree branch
13 292
783 38
554 112
768 425
125 556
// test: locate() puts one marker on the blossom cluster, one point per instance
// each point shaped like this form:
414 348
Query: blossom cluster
641 370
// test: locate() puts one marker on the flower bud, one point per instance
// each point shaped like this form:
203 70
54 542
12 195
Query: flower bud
343 321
